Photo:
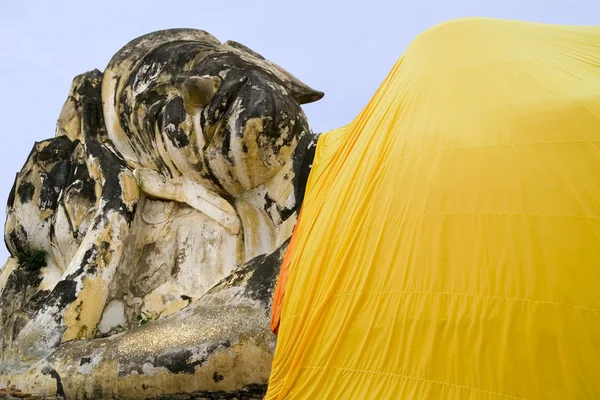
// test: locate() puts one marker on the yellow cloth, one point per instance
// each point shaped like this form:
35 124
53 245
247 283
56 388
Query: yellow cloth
450 241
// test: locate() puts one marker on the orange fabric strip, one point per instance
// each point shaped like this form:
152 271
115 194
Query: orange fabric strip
282 281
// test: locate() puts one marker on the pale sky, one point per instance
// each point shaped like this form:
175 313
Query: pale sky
344 48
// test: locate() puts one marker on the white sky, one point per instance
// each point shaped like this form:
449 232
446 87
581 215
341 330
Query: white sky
344 48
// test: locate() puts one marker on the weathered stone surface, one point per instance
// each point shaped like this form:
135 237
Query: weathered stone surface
219 343
250 392
146 237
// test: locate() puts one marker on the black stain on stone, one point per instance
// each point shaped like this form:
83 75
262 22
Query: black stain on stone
20 298
111 167
89 263
302 163
269 202
16 240
26 191
174 115
90 105
217 377
253 391
10 203
19 239
92 268
60 391
177 362
63 294
22 278
186 298
48 196
11 195
303 160
85 360
209 175
88 255
258 276
87 188
262 281
37 301
61 175
226 144
55 149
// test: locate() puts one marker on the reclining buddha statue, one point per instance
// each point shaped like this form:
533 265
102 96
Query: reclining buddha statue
145 237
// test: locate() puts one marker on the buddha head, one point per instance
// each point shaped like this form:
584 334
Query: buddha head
184 104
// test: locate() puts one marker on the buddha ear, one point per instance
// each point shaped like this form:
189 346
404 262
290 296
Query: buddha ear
301 92
198 91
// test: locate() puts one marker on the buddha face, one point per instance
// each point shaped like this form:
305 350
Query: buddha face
220 115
